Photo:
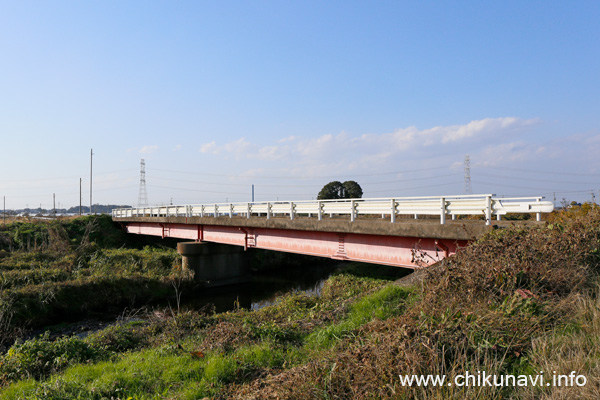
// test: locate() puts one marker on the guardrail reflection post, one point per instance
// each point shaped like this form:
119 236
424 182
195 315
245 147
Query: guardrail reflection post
538 215
352 210
291 210
268 210
319 210
488 210
393 210
443 210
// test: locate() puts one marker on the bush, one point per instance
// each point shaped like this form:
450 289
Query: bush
119 338
39 357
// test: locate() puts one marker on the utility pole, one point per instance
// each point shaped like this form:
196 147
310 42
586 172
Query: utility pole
253 193
91 164
79 196
4 213
54 204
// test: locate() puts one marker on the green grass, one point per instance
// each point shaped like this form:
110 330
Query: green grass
517 301
148 361
152 373
383 304
53 266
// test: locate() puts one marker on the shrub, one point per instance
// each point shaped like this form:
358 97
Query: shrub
119 338
41 356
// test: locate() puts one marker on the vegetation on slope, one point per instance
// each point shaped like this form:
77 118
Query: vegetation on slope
52 270
518 301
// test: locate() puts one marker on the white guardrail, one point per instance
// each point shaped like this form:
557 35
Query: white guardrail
486 205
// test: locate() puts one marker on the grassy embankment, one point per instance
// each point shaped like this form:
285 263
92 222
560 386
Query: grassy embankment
66 269
519 301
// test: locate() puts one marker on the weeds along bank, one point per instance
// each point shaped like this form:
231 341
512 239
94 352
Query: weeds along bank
518 301
54 270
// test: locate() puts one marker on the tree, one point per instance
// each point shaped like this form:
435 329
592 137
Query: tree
338 190
333 190
352 190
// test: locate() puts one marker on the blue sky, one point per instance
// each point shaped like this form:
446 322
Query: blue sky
217 96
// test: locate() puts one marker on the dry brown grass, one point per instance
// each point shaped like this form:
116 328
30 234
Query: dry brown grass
495 307
574 347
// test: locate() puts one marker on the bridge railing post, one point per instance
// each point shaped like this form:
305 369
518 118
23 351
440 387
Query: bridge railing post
443 210
488 210
249 207
393 210
268 210
216 210
319 210
230 210
352 210
292 210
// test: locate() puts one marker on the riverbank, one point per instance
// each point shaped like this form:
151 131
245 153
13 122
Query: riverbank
517 302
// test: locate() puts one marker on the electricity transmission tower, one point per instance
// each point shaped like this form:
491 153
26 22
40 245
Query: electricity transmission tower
468 188
143 195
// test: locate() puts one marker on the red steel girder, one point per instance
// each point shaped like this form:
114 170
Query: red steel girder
397 251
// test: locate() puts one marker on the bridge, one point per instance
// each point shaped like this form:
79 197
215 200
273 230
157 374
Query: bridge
408 232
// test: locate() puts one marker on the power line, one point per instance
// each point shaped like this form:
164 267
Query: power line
544 191
536 179
298 176
195 190
306 186
418 187
71 193
532 171
512 186
61 178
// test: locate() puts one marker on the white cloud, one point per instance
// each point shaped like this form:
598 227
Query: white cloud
477 128
209 148
287 139
269 153
374 151
148 149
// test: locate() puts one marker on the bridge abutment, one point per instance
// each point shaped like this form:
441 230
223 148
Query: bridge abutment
215 264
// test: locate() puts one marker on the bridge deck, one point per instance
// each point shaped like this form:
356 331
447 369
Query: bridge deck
406 243
417 228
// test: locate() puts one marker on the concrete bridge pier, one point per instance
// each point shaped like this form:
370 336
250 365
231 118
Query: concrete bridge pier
215 264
